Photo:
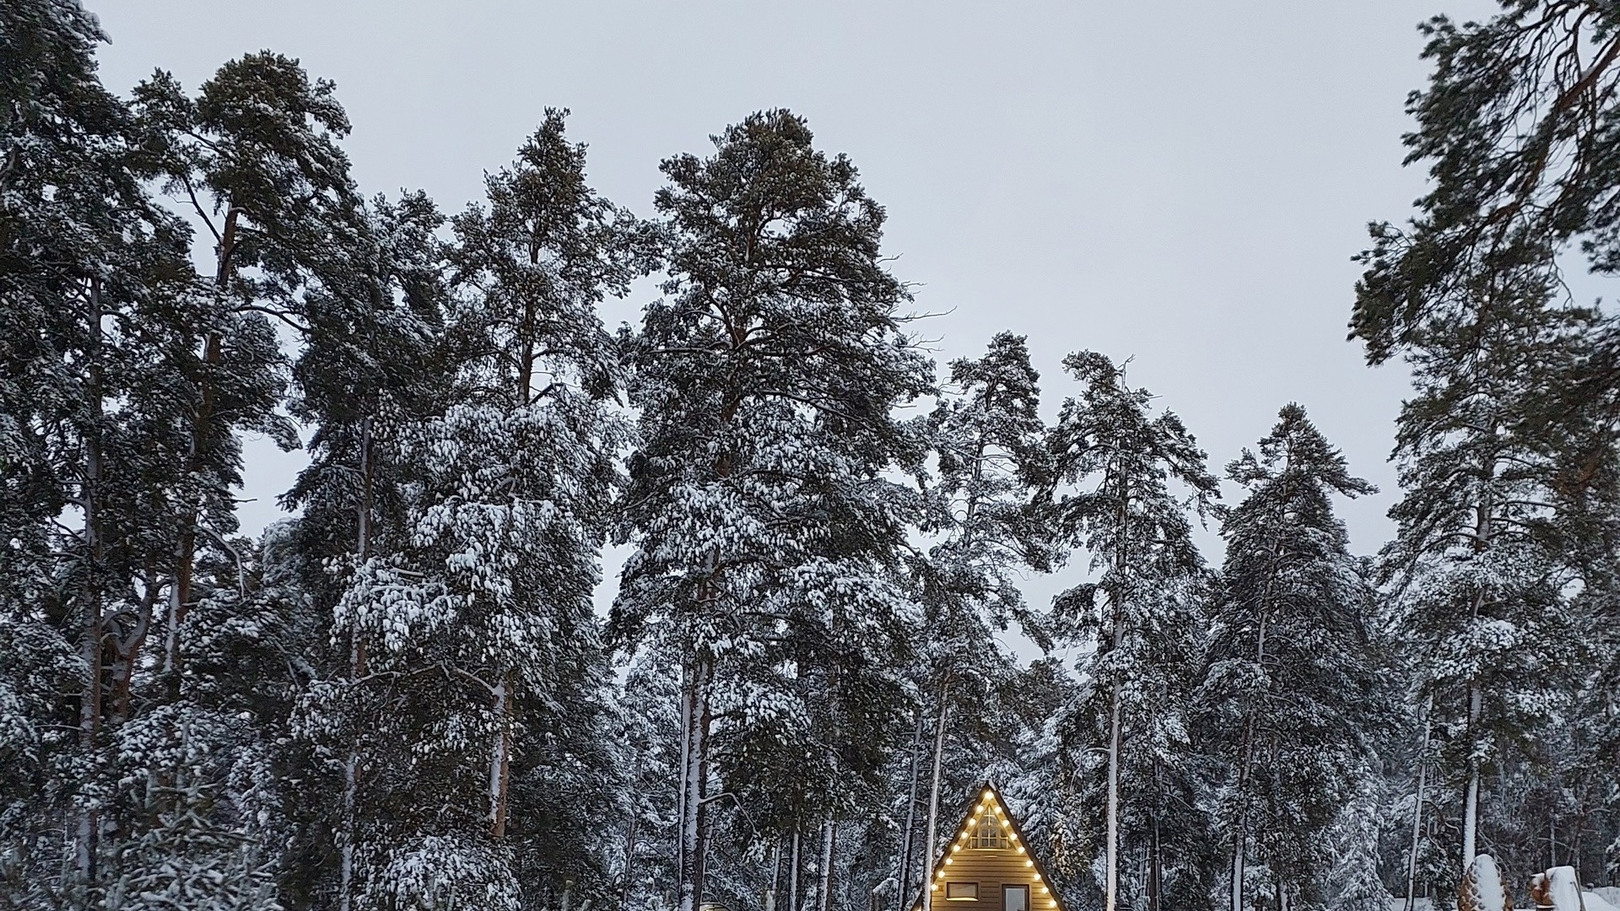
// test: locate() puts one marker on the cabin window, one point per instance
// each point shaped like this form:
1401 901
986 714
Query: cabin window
961 892
1014 898
988 833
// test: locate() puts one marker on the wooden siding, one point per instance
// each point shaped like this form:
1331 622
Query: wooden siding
991 868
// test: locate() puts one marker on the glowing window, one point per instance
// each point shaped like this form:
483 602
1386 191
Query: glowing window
961 892
988 833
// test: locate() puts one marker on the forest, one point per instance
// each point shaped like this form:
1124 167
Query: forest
820 646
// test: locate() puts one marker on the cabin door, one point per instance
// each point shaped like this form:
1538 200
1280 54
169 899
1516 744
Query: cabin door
1014 898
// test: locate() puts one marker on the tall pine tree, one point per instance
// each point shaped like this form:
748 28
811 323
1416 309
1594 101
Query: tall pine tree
1291 694
766 532
1112 464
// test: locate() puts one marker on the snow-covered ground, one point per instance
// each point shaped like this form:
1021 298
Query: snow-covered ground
1602 898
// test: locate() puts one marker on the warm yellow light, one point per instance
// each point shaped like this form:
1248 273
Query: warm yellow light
1013 836
949 861
1037 877
1020 849
955 848
1029 863
1045 891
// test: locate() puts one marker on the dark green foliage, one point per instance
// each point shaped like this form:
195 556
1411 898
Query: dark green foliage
1293 697
766 533
1107 486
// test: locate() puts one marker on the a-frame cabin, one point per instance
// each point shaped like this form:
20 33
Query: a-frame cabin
987 865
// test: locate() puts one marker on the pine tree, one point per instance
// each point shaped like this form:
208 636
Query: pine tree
274 194
373 360
1514 125
766 533
1108 483
92 279
987 433
1291 695
473 607
161 378
1477 568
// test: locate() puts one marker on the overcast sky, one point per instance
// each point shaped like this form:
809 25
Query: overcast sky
1179 183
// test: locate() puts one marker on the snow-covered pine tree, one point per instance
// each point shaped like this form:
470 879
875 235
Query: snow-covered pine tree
474 610
1350 874
1108 482
1513 127
1477 566
766 533
99 390
204 366
373 360
1291 695
986 432
67 193
256 159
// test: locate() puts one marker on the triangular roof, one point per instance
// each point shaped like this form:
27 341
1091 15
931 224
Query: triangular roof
987 799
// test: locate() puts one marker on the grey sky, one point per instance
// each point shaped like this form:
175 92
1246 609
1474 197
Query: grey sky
1182 183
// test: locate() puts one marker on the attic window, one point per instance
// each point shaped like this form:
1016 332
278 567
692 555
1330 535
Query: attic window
961 892
989 832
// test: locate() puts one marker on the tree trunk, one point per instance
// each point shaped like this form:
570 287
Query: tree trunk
1471 799
1417 811
694 785
911 822
1111 839
1122 515
776 876
213 354
828 833
500 763
1155 872
630 849
90 650
1482 541
348 835
127 654
1240 833
793 872
933 790
1237 871
686 759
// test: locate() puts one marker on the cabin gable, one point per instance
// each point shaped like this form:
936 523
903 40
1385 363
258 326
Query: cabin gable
987 865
